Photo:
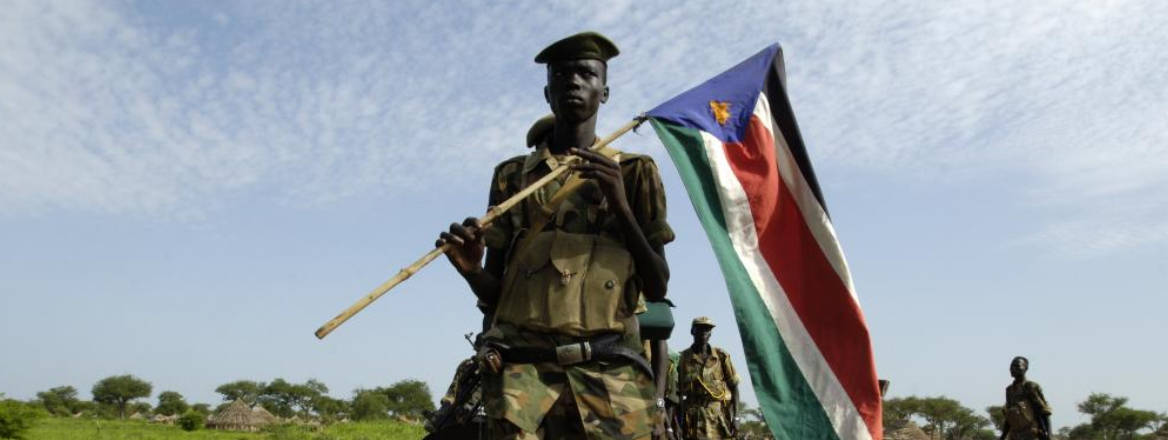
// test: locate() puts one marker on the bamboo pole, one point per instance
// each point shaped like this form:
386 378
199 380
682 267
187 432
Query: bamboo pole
492 214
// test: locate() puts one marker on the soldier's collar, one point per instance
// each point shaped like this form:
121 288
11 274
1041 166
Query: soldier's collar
543 155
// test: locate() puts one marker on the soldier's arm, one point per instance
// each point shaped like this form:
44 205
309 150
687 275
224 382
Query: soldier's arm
1041 407
486 284
469 241
660 358
466 254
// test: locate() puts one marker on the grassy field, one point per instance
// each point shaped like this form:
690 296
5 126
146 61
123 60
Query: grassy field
83 429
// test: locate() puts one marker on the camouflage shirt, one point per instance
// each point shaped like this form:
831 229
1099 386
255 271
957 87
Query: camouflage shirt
1025 403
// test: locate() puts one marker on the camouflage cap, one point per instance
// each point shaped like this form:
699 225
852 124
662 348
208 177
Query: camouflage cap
703 320
584 45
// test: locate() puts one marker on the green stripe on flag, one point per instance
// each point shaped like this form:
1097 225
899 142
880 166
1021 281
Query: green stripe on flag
790 407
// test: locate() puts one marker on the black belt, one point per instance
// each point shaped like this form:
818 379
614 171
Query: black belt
601 348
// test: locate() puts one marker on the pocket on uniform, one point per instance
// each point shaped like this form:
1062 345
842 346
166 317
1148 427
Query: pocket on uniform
525 298
605 287
570 255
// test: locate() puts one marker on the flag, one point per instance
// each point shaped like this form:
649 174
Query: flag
735 143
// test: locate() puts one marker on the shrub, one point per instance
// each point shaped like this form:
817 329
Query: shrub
17 417
191 421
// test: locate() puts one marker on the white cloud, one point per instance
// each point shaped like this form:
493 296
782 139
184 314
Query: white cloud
108 110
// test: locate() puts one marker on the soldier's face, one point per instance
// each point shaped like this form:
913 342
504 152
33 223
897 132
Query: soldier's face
576 88
1018 367
701 334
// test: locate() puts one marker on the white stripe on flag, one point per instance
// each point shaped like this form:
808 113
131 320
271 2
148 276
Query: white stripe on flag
814 215
838 406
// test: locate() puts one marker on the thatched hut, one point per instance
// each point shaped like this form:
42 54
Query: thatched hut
909 432
263 414
238 416
137 416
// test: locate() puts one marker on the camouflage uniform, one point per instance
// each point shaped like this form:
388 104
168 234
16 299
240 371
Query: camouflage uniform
460 405
573 281
705 383
1024 405
464 368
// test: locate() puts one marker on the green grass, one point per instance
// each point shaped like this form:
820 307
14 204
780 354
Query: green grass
86 429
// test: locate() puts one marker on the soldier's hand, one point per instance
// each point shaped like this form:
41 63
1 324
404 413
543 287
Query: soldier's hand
466 245
605 171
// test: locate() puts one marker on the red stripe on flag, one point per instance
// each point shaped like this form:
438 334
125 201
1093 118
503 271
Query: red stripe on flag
815 290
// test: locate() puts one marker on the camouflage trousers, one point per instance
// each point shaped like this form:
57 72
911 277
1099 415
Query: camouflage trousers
705 419
595 400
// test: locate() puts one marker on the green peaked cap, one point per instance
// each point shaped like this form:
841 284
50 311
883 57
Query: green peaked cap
584 45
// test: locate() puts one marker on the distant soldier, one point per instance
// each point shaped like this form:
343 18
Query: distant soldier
709 387
1027 413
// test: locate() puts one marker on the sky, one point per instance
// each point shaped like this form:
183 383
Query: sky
189 189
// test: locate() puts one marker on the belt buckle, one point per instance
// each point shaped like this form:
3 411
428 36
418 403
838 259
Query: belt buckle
573 353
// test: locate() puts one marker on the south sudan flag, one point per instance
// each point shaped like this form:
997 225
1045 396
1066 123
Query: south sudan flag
737 147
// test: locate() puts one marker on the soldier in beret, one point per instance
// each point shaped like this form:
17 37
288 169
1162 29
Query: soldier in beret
709 387
563 358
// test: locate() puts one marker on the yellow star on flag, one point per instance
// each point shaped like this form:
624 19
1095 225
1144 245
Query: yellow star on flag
721 111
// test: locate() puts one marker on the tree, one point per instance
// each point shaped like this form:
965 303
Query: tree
245 390
201 408
1080 432
17 417
997 416
330 409
370 405
142 408
1160 424
171 403
1111 419
753 425
87 407
1128 422
278 397
965 424
60 401
944 418
191 421
119 391
409 398
898 411
284 399
939 413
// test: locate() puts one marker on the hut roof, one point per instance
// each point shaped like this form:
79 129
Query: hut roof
262 413
909 432
239 416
